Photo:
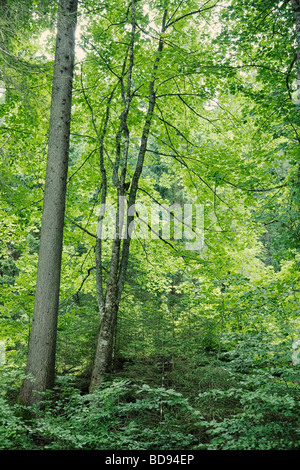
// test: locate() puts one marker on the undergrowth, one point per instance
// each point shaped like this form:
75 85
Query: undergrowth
246 399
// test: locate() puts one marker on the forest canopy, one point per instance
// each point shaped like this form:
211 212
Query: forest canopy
150 229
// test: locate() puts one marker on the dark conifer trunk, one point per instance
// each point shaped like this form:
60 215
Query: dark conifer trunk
42 342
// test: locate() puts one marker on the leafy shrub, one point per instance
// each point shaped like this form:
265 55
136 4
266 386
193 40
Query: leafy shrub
120 415
267 391
13 429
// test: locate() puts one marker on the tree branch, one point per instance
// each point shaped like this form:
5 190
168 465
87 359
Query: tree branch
83 281
261 190
84 162
141 156
79 226
200 10
153 231
288 76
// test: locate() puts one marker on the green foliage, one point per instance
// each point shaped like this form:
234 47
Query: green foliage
266 394
13 431
77 326
121 415
204 340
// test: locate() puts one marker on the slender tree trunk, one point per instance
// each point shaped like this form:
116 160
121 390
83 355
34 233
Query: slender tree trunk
120 255
103 355
42 342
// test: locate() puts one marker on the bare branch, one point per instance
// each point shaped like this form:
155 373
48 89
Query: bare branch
84 162
200 10
156 233
211 121
79 226
5 142
260 190
83 281
175 128
288 76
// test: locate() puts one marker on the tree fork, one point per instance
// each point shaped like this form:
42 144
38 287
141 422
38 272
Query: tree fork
103 356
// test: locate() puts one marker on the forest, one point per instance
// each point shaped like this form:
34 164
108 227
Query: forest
150 225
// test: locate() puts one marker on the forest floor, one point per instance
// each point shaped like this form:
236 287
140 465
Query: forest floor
159 403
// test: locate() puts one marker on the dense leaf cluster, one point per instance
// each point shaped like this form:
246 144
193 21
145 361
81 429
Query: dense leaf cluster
205 345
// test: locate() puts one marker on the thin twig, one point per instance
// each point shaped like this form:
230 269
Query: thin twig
79 226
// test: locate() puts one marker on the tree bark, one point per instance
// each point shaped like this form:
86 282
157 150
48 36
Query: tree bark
120 255
296 11
103 355
42 342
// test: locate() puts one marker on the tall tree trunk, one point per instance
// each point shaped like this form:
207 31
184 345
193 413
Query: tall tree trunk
42 342
120 255
296 10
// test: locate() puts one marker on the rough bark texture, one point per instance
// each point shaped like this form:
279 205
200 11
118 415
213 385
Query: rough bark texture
296 10
42 342
103 356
